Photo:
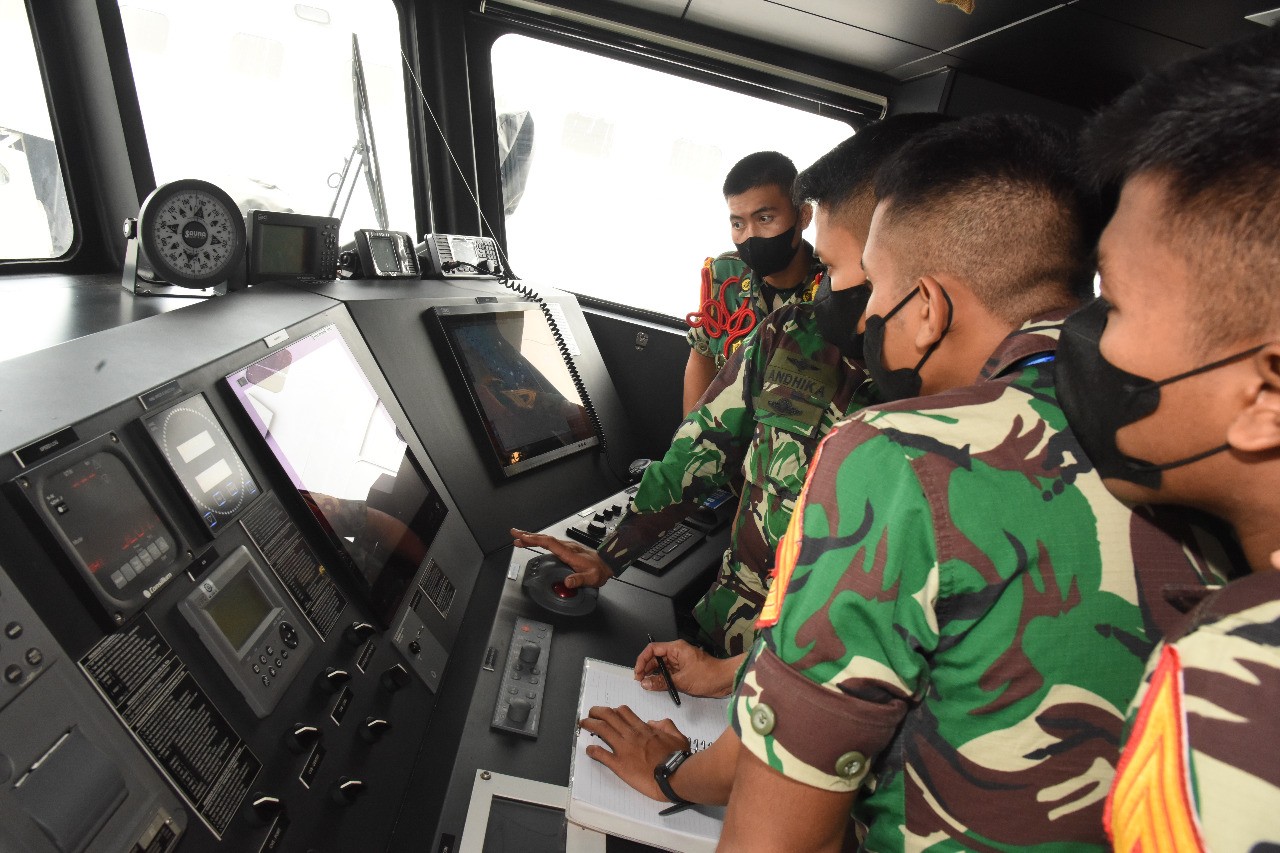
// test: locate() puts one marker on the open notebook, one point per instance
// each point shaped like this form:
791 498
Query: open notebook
600 800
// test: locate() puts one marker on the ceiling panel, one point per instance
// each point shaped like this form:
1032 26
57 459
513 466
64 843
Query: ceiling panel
925 23
804 31
1071 56
666 7
1203 23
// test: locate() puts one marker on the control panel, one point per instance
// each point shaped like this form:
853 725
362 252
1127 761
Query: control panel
518 707
598 520
245 621
72 778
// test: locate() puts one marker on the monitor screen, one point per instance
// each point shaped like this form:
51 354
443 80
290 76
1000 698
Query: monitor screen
517 381
284 249
204 461
338 444
239 609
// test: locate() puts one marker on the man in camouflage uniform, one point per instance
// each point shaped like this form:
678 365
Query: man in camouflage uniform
961 611
764 414
772 266
1190 262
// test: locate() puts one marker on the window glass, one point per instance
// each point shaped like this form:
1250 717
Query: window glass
256 97
612 172
35 221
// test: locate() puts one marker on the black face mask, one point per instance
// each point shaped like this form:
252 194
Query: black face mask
837 313
768 255
1099 398
904 382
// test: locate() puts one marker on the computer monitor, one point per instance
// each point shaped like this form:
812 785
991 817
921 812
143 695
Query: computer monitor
517 383
339 446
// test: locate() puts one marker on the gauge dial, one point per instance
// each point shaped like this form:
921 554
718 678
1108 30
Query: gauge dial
192 233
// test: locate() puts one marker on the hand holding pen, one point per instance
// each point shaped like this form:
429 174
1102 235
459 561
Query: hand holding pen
665 673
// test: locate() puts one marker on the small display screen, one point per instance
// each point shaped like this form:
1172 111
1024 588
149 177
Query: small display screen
239 609
115 531
383 250
338 444
518 382
204 461
284 249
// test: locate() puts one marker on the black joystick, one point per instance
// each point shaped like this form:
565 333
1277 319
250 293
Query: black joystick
518 711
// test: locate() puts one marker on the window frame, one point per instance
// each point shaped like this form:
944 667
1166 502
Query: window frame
484 30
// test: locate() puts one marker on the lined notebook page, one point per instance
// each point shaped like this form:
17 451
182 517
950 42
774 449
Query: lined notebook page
600 800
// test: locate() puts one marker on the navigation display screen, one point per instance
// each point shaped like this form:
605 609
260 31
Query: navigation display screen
337 443
239 609
519 385
204 460
108 525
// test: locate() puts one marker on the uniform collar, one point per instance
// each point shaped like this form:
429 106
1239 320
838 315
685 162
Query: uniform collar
1036 337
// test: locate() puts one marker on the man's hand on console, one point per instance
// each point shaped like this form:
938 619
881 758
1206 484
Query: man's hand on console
589 569
638 747
694 671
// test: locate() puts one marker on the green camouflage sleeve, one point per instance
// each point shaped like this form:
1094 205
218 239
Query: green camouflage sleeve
832 679
708 448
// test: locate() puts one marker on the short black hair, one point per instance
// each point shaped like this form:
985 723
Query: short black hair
1208 129
761 169
992 199
847 172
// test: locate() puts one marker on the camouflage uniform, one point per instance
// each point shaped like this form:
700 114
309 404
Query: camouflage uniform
966 619
732 305
763 415
1199 770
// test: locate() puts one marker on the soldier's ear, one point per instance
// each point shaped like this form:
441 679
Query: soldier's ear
804 216
1256 427
935 312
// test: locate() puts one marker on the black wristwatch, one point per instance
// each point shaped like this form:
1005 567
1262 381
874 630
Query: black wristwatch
662 775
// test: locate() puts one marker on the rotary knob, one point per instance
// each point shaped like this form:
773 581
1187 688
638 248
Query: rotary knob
299 738
332 679
346 791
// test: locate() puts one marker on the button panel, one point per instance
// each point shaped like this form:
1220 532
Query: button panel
518 707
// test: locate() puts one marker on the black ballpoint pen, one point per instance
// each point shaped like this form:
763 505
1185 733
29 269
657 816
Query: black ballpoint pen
662 668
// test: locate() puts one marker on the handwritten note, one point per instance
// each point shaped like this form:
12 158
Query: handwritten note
600 800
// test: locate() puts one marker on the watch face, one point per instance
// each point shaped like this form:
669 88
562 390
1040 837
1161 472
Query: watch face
192 232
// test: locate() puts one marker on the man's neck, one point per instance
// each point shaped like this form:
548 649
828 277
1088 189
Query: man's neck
795 273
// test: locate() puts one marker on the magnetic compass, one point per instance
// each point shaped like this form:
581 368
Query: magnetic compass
191 234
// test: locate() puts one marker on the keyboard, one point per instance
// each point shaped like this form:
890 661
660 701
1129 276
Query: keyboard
670 549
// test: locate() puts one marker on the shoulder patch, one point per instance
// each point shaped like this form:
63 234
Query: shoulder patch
1150 806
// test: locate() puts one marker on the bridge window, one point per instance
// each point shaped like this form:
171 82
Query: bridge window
256 97
35 220
620 195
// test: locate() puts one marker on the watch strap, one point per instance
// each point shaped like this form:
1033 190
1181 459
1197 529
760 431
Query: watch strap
663 772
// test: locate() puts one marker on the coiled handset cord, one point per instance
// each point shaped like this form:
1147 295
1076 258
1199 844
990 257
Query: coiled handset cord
511 283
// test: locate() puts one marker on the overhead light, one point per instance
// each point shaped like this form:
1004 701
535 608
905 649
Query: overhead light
965 6
1267 19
